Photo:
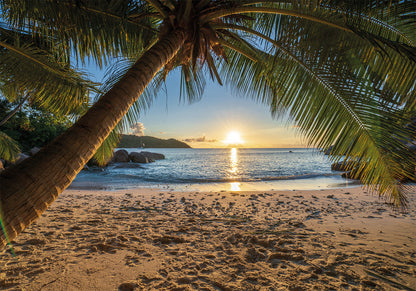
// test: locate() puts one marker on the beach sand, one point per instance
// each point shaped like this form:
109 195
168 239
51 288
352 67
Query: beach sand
147 239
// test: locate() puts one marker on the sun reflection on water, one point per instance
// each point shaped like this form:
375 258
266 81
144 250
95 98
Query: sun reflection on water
233 161
235 186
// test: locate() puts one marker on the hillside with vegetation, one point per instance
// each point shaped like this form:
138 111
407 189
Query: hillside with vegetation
133 141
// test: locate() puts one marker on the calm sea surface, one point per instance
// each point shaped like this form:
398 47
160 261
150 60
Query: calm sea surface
222 169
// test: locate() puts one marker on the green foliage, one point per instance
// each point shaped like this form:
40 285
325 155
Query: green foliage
31 127
9 149
133 141
104 153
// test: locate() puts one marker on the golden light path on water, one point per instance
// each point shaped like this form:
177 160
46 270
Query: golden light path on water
234 186
233 161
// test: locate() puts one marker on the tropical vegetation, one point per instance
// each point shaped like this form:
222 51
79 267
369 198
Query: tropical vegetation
133 141
31 127
344 70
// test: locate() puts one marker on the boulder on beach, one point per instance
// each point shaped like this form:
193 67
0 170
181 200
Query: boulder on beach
136 157
153 156
327 152
21 158
34 150
120 156
348 172
340 166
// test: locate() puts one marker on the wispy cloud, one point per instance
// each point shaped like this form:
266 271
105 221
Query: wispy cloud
137 129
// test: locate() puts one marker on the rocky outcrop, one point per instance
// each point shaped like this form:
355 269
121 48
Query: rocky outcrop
340 166
328 150
34 150
123 160
136 157
153 156
120 156
21 158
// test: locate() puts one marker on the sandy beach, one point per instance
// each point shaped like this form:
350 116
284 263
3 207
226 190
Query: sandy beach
147 239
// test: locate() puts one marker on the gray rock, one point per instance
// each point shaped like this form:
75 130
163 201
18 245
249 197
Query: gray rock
34 151
328 150
127 166
120 156
21 158
153 156
136 157
340 166
411 146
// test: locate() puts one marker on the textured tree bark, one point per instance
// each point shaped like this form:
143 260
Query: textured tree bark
27 189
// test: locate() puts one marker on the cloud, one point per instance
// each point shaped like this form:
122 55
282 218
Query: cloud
137 129
199 139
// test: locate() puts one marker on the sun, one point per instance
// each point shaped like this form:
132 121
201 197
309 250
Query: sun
233 138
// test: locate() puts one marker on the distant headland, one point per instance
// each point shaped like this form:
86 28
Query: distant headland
133 141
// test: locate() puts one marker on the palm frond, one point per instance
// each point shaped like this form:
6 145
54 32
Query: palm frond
105 152
32 66
100 30
192 84
381 38
9 149
329 112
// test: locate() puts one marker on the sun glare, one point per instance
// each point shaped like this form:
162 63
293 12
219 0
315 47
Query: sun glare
233 138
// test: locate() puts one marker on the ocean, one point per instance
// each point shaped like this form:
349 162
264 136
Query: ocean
232 169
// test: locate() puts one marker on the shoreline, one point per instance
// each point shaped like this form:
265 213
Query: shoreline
152 239
325 182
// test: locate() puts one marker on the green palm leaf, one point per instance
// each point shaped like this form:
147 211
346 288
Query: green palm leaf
9 149
27 69
98 30
330 113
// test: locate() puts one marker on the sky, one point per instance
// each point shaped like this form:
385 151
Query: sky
208 122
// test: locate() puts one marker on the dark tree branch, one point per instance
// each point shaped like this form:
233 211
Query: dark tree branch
13 112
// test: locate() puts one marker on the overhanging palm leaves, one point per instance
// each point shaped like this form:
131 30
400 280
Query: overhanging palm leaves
345 72
9 149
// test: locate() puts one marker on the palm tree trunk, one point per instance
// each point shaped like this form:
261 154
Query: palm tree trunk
27 189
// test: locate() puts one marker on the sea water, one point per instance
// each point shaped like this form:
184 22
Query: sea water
232 169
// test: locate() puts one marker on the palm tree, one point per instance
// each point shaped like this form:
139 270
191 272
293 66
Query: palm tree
345 72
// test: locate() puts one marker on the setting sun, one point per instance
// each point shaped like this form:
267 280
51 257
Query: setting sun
233 138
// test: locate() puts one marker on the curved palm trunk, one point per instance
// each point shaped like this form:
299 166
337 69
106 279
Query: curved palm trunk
27 189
